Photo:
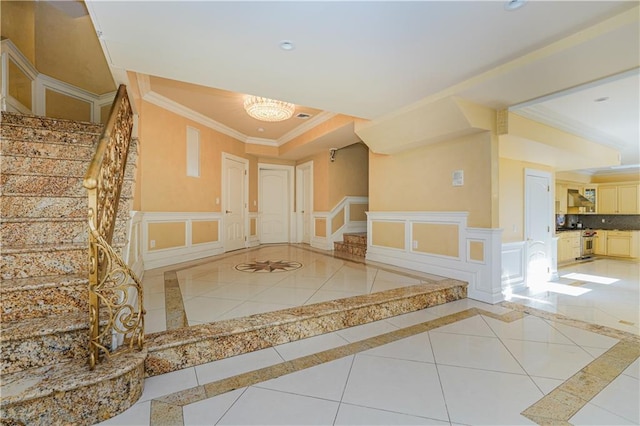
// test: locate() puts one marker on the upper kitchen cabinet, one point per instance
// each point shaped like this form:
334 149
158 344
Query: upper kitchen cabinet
561 198
618 199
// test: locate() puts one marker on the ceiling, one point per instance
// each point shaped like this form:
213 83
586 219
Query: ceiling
372 60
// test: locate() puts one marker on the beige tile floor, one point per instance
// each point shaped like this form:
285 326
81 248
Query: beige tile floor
463 363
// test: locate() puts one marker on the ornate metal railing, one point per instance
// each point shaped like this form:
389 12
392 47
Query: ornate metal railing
116 311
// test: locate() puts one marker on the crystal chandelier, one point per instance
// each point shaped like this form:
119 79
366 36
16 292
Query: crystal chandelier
266 109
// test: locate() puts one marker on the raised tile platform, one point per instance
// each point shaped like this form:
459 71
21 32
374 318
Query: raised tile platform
186 347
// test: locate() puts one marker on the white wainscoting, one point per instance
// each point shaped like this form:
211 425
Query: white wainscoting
326 243
514 271
189 251
483 275
133 256
253 240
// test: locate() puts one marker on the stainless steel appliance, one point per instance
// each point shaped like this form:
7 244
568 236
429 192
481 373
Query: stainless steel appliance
586 243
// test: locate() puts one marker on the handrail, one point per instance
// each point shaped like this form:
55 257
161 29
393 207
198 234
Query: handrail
112 284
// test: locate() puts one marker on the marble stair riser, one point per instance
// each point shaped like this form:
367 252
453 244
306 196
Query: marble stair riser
28 134
355 249
56 124
18 206
41 261
46 150
355 239
19 165
50 166
51 232
57 295
73 394
40 350
206 343
50 185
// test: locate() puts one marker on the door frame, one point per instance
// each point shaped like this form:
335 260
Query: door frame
549 215
245 185
290 188
300 168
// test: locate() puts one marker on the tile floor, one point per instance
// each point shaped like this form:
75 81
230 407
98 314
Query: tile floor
477 368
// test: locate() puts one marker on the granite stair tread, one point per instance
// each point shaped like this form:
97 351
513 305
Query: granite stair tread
31 283
40 382
30 327
35 121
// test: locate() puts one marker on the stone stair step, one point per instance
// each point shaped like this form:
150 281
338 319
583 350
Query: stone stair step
48 166
71 393
351 248
36 342
44 259
38 297
50 185
20 232
44 149
29 231
355 238
58 124
27 206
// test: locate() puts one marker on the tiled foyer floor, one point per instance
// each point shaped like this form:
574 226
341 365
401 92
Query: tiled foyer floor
460 363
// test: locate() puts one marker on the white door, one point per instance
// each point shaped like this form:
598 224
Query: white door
234 201
538 221
304 184
274 206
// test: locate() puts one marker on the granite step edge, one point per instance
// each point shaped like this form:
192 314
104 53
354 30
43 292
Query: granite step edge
34 327
186 347
51 393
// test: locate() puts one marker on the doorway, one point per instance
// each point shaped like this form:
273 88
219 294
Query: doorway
234 201
304 201
538 220
275 188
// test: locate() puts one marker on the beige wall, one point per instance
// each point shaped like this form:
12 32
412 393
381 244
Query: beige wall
420 179
204 231
59 105
348 174
388 234
435 238
623 177
167 235
337 221
18 24
164 185
358 211
20 85
68 49
512 197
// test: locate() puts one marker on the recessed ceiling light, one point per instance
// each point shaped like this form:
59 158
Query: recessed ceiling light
602 99
260 129
287 45
514 4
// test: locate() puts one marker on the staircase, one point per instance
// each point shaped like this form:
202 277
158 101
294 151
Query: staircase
44 278
354 244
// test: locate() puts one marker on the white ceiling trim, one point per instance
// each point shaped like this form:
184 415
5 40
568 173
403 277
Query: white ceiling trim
546 116
144 85
308 125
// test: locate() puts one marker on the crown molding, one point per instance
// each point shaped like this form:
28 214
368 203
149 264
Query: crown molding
144 85
546 116
261 141
175 107
308 125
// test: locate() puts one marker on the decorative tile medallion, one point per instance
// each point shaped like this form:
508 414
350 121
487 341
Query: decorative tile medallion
269 266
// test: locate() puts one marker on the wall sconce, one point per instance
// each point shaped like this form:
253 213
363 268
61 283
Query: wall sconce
332 154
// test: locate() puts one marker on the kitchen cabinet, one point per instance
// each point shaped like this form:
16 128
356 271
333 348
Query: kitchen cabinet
561 198
600 242
568 246
622 243
590 193
618 199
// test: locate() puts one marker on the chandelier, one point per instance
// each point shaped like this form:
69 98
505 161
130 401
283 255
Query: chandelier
265 109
